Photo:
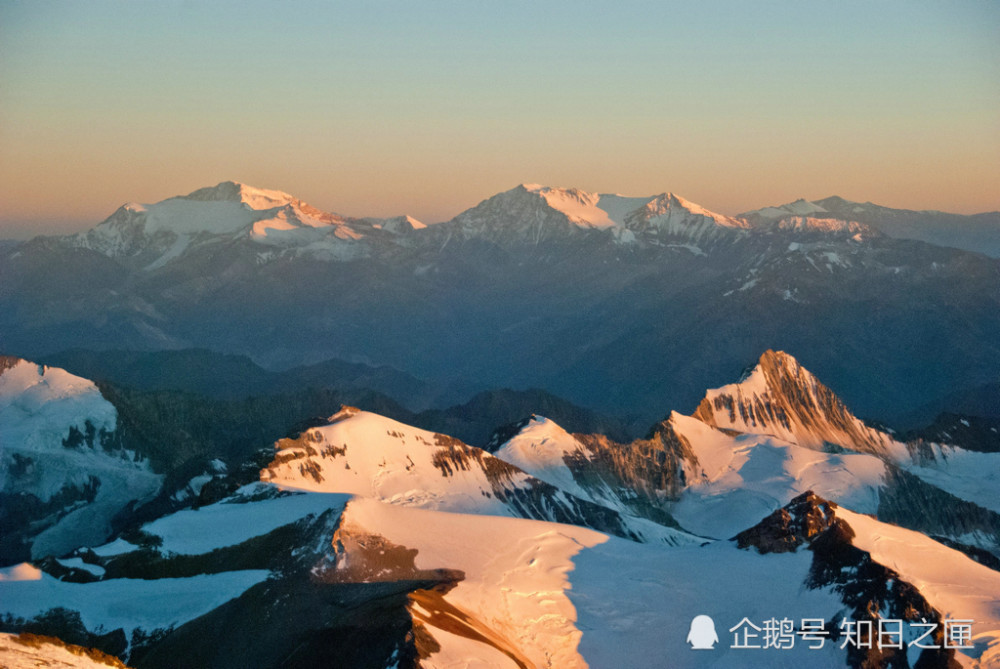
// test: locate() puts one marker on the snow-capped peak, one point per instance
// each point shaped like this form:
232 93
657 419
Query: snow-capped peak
800 207
579 206
670 205
781 398
670 217
533 212
234 191
540 447
155 234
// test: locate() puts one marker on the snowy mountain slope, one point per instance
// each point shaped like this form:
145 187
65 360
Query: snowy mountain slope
497 591
152 235
826 227
514 571
738 479
639 478
966 474
716 482
934 570
512 593
185 571
481 588
780 398
643 615
782 433
540 447
979 233
221 525
125 604
531 213
668 217
369 455
63 474
883 572
29 651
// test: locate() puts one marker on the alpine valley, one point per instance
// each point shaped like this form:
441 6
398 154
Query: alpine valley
238 431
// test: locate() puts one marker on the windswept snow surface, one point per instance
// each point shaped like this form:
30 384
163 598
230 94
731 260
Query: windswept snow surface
953 583
197 531
635 604
579 206
34 653
370 455
515 578
741 479
539 449
129 603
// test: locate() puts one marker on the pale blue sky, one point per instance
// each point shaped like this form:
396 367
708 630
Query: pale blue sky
383 108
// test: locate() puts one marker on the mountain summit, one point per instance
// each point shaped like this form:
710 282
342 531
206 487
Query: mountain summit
534 213
978 232
781 398
152 235
234 191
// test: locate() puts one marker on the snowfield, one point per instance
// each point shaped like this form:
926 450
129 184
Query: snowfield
41 409
28 652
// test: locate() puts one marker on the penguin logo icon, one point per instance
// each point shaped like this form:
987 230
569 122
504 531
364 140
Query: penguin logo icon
702 635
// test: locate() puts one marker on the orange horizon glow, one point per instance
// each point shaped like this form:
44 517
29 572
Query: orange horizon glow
429 110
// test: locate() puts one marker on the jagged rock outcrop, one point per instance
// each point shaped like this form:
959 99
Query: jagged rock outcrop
869 590
781 398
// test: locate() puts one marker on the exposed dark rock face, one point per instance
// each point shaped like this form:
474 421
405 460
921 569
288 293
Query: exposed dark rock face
908 501
973 433
342 596
313 614
24 516
868 590
7 362
791 526
643 474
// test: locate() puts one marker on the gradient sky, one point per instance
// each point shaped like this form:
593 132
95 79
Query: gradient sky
426 108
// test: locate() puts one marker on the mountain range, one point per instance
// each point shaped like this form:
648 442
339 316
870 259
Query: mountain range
536 287
364 541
